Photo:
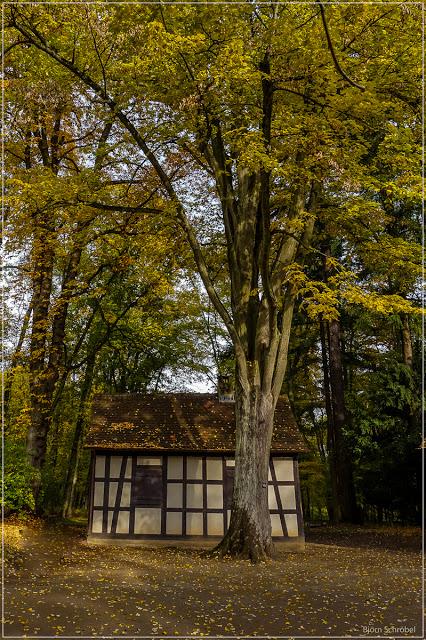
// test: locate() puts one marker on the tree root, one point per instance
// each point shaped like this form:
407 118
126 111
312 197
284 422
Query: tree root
242 542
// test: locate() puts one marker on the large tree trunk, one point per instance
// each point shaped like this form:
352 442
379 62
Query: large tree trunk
46 351
249 531
40 408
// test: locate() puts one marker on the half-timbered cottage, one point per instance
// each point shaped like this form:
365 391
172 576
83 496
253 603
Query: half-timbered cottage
163 467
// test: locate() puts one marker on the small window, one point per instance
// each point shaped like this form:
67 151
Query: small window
147 490
229 486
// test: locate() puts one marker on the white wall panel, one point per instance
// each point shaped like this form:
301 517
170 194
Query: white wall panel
291 522
100 467
194 524
174 468
283 469
214 469
97 522
140 460
125 495
115 466
194 496
123 522
214 524
272 500
174 523
148 520
214 496
288 497
98 497
277 529
174 495
194 468
112 493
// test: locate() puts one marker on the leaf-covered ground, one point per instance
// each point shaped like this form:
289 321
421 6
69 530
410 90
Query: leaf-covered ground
346 580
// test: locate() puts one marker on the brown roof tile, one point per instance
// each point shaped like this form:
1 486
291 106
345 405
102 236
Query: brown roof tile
178 422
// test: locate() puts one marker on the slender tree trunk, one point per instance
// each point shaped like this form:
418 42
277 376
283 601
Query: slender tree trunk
407 346
343 500
72 470
54 432
332 504
407 358
14 363
412 416
308 505
343 465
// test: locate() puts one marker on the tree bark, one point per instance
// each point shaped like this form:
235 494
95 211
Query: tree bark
342 507
407 346
40 409
46 352
249 531
332 505
15 361
345 499
71 478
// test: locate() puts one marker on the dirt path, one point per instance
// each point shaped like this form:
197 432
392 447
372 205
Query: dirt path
65 587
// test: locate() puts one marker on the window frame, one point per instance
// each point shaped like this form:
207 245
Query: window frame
139 498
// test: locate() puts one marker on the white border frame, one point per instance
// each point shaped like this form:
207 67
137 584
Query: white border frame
219 2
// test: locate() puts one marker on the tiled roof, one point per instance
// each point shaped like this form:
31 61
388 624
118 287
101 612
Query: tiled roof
178 422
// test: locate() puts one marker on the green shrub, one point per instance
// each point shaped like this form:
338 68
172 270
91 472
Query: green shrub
17 493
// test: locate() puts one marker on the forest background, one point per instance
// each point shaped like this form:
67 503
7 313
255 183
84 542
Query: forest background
103 293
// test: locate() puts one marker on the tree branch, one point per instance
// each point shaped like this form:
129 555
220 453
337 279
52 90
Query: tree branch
40 42
100 150
333 54
118 207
